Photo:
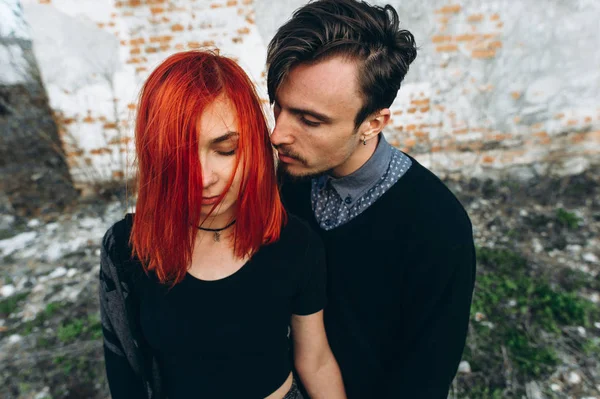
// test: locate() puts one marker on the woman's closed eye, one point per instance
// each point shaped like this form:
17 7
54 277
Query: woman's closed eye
227 151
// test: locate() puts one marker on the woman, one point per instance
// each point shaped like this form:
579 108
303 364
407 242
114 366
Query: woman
198 288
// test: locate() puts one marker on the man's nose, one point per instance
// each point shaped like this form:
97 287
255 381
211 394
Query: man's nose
281 133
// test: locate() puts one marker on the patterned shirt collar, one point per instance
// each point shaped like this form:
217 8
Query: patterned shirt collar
352 187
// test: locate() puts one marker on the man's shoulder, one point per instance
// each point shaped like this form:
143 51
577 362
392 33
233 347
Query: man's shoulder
295 194
422 200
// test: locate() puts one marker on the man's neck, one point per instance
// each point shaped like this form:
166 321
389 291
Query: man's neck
360 156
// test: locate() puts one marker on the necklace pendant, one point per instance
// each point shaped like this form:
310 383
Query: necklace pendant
217 236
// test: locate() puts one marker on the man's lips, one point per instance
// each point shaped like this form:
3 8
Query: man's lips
285 158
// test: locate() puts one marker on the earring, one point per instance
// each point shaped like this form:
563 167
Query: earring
364 141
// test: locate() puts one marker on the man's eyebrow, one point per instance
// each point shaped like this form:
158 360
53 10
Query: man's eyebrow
314 114
227 136
303 111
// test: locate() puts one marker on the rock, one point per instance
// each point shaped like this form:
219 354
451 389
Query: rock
44 393
40 287
556 387
575 249
488 324
89 223
33 223
584 268
581 331
464 367
523 212
17 242
537 245
7 290
533 390
554 253
590 257
14 339
597 325
58 272
52 226
479 316
6 222
72 272
574 378
595 298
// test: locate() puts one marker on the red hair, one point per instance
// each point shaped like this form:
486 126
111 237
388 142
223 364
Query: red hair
169 171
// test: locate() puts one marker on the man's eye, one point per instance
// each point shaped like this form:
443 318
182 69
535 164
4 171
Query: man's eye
310 123
226 153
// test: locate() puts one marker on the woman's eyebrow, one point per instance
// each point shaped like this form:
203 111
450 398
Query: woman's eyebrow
227 136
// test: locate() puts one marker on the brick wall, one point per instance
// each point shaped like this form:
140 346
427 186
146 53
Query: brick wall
499 87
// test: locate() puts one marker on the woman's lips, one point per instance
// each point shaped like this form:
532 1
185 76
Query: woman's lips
210 200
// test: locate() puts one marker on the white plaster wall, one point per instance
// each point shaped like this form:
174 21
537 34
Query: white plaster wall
498 85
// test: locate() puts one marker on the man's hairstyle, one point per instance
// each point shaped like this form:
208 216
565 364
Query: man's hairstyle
169 170
347 28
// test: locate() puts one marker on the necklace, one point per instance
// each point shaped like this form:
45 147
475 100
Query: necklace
217 236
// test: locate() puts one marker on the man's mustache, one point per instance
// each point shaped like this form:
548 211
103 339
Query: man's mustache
290 154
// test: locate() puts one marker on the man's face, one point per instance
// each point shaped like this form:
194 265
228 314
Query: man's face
314 112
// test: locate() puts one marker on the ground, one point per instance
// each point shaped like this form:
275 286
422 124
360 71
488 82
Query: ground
535 325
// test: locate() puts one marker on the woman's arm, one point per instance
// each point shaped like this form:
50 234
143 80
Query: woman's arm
313 358
123 382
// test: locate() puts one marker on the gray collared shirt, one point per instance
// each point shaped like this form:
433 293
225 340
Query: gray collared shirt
336 201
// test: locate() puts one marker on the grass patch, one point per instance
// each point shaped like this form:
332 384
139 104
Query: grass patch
10 304
517 316
52 308
89 327
7 233
70 331
567 219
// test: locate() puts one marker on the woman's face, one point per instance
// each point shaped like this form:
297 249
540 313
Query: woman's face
218 145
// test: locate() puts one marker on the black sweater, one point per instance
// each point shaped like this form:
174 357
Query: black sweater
400 282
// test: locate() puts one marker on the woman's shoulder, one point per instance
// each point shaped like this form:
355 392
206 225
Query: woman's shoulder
116 239
297 234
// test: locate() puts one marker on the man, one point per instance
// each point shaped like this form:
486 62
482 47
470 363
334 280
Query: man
401 259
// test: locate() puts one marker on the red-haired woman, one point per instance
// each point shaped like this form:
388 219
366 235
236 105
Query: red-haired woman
198 288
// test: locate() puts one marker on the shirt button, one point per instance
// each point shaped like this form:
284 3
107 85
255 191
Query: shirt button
348 200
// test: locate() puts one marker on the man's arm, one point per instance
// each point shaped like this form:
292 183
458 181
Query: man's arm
437 301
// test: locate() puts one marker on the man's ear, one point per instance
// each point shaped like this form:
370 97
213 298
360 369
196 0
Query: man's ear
375 123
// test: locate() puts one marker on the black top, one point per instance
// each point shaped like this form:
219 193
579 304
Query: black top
400 282
229 337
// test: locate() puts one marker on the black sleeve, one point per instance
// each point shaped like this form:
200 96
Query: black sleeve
438 316
311 295
123 382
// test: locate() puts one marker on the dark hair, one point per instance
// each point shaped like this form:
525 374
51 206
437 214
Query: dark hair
348 28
